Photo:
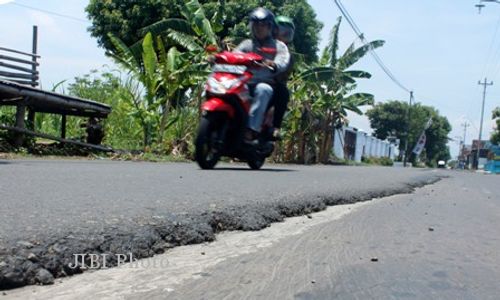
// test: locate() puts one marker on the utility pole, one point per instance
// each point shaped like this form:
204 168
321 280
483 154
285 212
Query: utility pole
485 84
464 125
408 127
480 5
462 156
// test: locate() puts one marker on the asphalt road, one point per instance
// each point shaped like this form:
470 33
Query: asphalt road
440 242
40 197
52 210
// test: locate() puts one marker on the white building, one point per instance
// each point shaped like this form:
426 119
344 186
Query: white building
353 144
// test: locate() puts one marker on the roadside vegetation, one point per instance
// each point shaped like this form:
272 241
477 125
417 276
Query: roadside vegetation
389 120
495 138
155 90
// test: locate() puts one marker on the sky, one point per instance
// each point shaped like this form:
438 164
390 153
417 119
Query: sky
438 49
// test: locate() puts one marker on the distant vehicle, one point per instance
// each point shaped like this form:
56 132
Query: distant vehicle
441 164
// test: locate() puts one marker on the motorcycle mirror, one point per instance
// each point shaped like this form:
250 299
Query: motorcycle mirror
211 48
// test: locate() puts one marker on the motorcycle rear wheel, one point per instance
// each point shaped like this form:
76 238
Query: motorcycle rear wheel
256 163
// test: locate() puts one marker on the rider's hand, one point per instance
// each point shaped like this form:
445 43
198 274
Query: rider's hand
211 59
271 64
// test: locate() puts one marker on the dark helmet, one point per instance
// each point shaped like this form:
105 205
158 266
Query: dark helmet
285 29
261 15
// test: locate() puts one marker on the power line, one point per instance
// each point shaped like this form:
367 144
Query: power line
49 12
360 35
490 55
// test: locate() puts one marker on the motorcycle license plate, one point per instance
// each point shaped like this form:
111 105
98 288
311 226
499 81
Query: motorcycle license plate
234 69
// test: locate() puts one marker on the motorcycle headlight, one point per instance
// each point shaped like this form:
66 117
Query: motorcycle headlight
221 87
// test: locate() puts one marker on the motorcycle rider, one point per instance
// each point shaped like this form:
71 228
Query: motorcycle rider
285 30
276 56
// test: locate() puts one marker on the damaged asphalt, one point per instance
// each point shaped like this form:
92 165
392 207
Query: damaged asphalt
53 210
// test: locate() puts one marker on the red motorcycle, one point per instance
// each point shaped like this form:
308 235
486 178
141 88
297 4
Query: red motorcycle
225 114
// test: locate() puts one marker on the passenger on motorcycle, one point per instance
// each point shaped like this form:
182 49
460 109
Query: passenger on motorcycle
285 30
276 56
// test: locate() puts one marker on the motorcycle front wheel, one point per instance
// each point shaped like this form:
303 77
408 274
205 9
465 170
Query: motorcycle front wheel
206 154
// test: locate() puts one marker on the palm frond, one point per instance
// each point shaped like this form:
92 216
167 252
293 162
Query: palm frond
172 59
218 18
358 74
351 58
333 45
123 54
149 56
207 32
187 41
496 113
349 50
162 26
194 13
318 74
360 99
344 78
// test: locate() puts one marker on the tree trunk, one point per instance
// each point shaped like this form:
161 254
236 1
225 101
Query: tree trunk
163 122
302 148
325 140
20 114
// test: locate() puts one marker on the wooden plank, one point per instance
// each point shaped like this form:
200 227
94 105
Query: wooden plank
20 113
2 64
63 127
11 101
29 62
51 137
18 52
18 81
34 51
39 98
55 111
18 75
76 113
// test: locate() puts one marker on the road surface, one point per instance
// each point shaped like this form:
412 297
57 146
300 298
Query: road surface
440 242
53 210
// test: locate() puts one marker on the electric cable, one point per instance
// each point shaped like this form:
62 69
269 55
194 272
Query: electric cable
49 12
375 56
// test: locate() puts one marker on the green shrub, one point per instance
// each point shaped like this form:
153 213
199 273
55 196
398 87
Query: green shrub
381 161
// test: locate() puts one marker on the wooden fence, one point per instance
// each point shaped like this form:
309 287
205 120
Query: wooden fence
19 79
20 67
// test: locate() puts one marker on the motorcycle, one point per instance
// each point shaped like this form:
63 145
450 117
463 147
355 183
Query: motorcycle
225 114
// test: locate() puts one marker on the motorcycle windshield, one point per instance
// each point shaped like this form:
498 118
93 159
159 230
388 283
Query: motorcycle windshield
233 69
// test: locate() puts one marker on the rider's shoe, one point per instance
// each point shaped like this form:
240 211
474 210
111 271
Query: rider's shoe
277 134
250 137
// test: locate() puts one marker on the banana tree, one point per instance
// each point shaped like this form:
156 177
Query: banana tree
194 32
181 45
332 84
496 113
298 128
143 84
167 62
495 137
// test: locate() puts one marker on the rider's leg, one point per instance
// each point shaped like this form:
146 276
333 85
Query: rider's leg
262 95
281 98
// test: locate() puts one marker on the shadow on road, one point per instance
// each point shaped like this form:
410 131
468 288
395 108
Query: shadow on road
250 170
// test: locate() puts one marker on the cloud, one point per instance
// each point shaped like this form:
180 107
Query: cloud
5 1
45 21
